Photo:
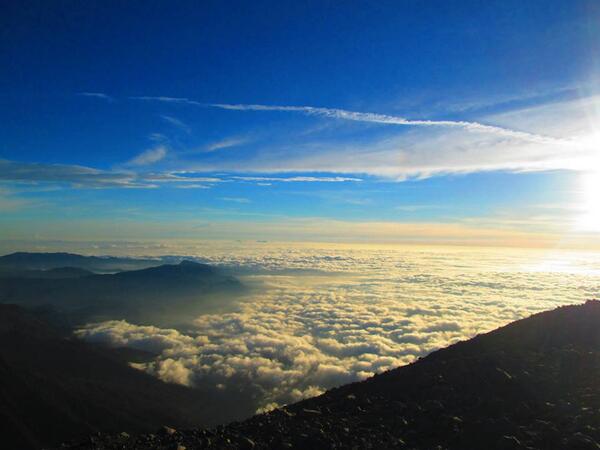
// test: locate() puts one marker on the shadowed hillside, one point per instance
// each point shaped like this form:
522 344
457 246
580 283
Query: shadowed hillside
159 295
54 388
46 261
531 384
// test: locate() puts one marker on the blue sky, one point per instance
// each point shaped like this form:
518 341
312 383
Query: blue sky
395 121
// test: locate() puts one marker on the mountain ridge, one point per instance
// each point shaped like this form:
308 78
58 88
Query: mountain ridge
136 295
53 260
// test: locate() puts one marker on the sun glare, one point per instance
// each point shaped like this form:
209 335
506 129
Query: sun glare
590 189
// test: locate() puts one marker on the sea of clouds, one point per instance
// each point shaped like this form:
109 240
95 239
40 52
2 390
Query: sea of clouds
319 317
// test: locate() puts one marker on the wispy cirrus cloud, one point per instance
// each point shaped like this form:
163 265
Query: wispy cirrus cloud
225 143
555 135
177 123
298 179
87 177
393 120
99 95
149 156
236 199
75 175
180 100
336 113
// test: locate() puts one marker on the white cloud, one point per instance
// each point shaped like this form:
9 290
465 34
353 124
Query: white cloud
149 156
164 99
557 135
329 315
225 143
236 199
192 186
99 95
9 201
395 120
88 177
176 122
299 179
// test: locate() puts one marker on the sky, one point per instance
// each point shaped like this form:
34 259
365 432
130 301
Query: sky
457 122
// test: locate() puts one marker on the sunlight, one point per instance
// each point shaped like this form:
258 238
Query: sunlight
590 189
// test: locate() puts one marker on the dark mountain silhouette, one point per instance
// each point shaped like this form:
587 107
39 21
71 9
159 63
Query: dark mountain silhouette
54 388
531 384
45 261
157 295
57 273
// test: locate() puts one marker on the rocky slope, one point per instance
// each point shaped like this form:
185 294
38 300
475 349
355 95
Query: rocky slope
532 384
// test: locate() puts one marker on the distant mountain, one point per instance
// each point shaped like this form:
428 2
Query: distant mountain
57 273
531 384
45 261
54 388
157 295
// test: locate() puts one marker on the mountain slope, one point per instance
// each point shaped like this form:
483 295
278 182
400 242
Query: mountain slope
152 295
55 273
54 389
531 384
45 261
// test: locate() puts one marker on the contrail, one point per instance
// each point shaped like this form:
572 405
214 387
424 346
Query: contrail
395 120
371 117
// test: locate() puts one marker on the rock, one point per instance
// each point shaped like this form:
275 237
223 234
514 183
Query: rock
246 443
580 441
504 373
508 443
167 431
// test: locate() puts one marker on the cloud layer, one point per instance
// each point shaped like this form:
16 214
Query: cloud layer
88 177
326 317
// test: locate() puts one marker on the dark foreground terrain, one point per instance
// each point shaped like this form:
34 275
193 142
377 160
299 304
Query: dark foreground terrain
532 384
54 387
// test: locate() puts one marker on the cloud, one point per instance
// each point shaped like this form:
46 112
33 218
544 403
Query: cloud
415 208
343 114
192 186
184 101
179 177
63 173
298 179
236 199
99 95
87 177
354 312
394 120
555 135
225 143
10 202
176 123
149 156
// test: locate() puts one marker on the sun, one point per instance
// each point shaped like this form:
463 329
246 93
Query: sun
590 204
